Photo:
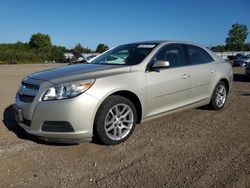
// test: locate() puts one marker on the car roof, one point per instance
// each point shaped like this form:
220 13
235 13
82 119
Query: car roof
165 42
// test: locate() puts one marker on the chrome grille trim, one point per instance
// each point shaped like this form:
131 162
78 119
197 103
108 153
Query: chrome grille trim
30 86
28 90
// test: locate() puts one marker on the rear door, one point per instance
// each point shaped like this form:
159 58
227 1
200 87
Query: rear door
202 70
168 88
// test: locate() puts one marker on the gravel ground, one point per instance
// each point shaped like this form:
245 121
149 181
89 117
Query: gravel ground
196 148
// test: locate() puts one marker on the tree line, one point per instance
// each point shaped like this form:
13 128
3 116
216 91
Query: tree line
38 50
235 41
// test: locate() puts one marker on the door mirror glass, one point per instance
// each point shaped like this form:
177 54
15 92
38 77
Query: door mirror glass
161 64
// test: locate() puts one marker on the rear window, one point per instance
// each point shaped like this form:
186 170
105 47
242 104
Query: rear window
198 55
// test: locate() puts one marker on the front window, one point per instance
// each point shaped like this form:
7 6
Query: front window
173 54
129 54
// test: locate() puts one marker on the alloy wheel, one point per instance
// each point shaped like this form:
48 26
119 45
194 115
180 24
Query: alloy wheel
119 121
221 95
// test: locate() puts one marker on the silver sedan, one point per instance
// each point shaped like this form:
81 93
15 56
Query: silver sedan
120 88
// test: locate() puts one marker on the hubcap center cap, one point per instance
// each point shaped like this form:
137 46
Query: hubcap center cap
118 121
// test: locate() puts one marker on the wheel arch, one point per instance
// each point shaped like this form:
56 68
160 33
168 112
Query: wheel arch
123 93
221 79
134 99
226 82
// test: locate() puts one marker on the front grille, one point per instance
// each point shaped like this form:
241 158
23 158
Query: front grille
28 90
30 86
26 98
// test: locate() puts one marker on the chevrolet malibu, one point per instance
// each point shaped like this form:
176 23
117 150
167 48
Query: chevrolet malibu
129 84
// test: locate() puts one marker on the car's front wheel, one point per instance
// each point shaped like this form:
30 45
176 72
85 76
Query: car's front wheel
219 96
115 120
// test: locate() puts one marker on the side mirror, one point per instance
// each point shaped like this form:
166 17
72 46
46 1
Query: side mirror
161 64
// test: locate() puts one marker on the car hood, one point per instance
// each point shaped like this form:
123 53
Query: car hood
79 72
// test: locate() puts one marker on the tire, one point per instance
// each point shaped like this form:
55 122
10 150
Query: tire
219 96
115 120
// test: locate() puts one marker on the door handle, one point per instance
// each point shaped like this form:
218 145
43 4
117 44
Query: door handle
185 76
212 70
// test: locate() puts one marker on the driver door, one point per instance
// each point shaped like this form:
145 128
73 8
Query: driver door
168 88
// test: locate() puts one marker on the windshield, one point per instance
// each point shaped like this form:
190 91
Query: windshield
129 54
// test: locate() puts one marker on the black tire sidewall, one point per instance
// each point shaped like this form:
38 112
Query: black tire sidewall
108 103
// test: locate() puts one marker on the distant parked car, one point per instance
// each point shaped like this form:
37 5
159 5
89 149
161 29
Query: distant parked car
239 55
231 57
81 58
89 57
247 70
234 57
242 60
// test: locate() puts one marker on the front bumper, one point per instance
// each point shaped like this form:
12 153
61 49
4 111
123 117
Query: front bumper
78 112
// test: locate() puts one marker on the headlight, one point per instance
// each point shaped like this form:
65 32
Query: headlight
65 91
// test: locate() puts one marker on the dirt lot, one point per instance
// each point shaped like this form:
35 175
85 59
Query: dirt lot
196 148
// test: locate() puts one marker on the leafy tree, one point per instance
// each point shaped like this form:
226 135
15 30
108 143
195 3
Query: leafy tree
22 53
40 40
57 52
81 49
87 50
218 48
236 37
101 48
247 46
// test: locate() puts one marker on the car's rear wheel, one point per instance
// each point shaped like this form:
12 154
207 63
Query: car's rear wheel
219 97
115 120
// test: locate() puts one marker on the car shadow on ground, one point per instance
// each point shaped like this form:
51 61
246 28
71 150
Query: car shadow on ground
244 94
12 125
241 78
